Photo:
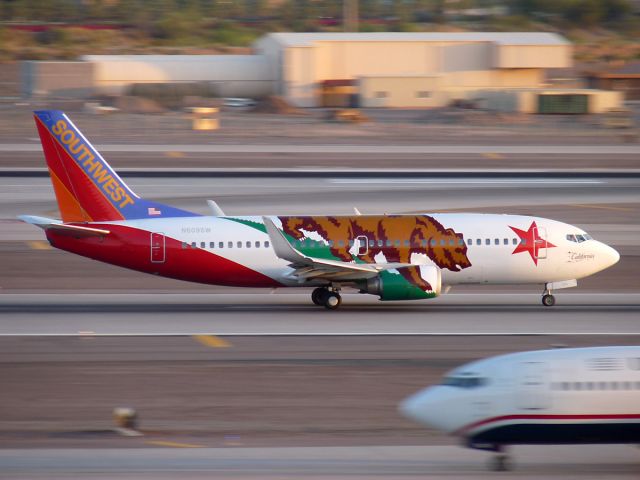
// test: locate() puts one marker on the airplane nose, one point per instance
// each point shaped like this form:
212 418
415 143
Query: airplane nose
423 408
610 254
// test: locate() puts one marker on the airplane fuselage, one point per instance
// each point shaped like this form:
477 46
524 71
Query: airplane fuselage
236 251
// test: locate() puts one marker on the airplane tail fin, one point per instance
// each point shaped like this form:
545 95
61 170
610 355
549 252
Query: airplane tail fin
86 187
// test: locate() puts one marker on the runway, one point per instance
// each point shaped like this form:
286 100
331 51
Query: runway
407 462
255 407
327 148
293 314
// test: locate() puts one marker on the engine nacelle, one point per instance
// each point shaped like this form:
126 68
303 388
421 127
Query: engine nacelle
412 284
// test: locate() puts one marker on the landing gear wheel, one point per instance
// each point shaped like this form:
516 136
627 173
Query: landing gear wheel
331 300
548 300
500 463
316 296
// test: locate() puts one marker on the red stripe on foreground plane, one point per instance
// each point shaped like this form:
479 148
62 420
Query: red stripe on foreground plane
395 257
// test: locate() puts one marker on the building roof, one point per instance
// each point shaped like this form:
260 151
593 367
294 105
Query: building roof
501 38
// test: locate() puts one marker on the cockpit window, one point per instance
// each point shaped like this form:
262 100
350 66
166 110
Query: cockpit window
579 238
465 381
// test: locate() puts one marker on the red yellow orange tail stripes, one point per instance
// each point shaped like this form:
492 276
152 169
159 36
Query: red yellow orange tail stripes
86 187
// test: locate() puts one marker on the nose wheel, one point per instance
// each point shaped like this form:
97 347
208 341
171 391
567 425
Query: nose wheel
548 300
329 299
500 463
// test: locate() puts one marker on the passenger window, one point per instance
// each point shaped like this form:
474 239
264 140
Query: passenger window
212 245
469 241
406 243
478 241
460 242
566 386
523 241
515 241
397 243
433 242
497 241
506 241
423 242
381 243
184 245
257 244
220 244
194 245
452 242
230 244
239 244
266 244
372 243
389 243
487 241
248 244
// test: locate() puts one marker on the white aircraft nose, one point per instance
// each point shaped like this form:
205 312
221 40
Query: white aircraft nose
610 254
427 407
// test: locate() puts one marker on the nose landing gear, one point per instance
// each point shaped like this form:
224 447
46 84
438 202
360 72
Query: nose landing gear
501 461
323 296
548 300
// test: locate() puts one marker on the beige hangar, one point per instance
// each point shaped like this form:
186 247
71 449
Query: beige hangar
410 69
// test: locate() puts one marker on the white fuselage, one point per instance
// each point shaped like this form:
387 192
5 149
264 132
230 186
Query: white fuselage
489 238
580 395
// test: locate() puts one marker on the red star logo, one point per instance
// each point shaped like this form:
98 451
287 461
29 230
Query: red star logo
530 242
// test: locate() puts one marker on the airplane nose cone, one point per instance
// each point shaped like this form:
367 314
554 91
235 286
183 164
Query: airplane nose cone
423 408
610 254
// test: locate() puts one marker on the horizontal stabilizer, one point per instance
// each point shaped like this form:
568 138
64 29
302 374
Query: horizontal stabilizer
65 229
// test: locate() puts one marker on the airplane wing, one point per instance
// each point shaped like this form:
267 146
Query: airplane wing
64 229
309 267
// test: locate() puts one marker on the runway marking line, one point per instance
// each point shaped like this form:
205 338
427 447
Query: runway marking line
602 207
39 245
164 443
211 341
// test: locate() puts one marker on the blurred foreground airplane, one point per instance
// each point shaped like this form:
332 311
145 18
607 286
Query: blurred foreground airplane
547 397
396 257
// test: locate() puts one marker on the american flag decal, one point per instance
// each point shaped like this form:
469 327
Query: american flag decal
153 211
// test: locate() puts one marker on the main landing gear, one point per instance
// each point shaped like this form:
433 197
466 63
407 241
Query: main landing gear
548 300
323 296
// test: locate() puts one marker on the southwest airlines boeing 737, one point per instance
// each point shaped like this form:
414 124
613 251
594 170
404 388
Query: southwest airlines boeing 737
396 257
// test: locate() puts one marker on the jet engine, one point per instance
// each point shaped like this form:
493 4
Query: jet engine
408 283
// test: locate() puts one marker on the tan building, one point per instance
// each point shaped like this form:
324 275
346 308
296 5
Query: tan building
409 69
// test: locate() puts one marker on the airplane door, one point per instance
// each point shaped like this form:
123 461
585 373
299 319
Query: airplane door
532 388
362 245
540 233
158 252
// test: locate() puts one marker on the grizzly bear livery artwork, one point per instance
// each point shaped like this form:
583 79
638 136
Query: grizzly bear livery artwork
394 237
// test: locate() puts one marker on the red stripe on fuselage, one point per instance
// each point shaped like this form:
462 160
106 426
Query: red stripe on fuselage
613 416
131 248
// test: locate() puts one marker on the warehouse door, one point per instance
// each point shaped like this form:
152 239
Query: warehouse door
563 104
